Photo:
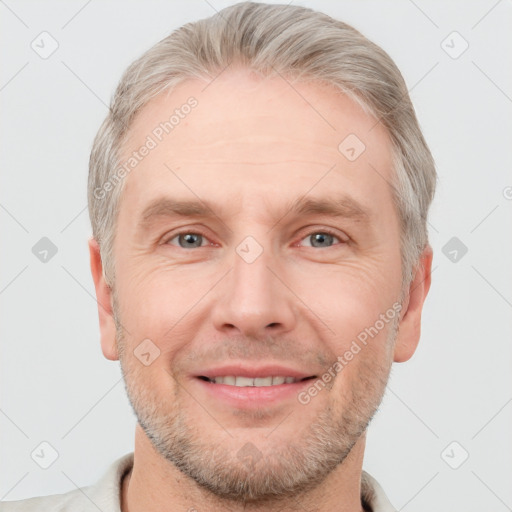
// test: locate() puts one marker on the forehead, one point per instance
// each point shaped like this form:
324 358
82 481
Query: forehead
260 136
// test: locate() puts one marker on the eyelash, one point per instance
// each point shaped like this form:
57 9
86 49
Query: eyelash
201 233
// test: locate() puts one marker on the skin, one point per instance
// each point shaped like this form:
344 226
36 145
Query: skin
250 148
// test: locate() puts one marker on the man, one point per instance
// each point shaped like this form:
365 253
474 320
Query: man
258 196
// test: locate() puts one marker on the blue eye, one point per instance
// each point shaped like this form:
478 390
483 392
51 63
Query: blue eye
188 240
321 239
192 240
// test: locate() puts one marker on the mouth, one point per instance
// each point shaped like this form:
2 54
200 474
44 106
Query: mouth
242 381
241 385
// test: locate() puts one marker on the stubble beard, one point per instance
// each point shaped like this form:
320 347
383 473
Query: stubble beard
239 471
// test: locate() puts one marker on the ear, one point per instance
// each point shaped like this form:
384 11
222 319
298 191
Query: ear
410 322
104 301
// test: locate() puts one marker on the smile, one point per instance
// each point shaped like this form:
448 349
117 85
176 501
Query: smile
239 381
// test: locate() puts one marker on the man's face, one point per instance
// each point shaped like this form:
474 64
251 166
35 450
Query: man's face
264 282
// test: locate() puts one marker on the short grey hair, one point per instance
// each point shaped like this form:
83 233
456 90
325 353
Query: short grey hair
292 41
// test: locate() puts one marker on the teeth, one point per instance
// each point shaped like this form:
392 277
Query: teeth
257 382
262 381
244 381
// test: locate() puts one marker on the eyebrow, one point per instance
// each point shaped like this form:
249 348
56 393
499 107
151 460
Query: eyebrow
344 206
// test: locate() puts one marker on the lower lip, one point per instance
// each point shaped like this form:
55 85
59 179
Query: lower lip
252 396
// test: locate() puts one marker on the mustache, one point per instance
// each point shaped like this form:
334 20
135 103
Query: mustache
257 349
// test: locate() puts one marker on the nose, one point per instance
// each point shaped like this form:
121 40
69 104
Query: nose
253 299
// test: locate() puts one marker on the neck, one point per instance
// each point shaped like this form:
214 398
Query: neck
154 484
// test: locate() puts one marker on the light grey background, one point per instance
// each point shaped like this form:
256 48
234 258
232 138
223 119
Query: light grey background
55 384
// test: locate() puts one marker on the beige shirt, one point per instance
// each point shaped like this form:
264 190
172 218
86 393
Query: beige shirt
105 495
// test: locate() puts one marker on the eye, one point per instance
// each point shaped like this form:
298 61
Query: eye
188 240
322 239
317 239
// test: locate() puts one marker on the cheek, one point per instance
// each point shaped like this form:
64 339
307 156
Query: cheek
349 297
160 300
364 359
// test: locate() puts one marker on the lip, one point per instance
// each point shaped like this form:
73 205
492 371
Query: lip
243 370
251 397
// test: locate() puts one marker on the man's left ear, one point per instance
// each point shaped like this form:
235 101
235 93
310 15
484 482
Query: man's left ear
410 322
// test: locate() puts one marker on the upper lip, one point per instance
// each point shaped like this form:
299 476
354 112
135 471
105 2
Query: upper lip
244 370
